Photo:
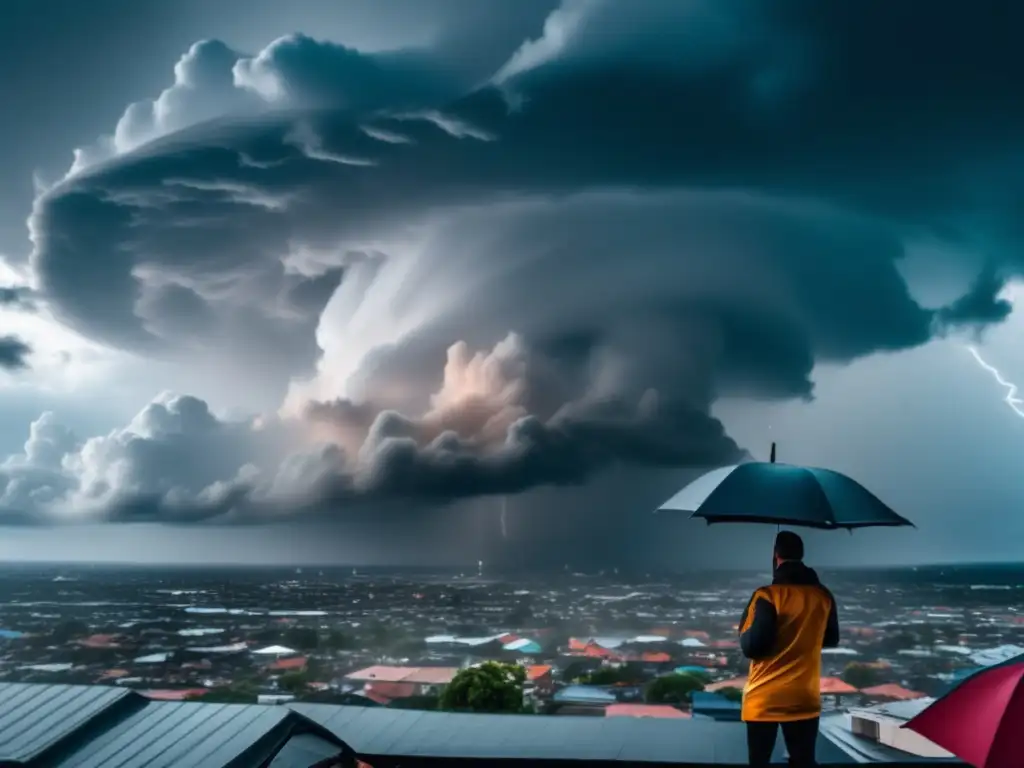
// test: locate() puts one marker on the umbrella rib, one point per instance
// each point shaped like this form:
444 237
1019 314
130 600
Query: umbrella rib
823 496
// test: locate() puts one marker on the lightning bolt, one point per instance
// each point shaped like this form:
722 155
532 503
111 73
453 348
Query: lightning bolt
1011 399
504 516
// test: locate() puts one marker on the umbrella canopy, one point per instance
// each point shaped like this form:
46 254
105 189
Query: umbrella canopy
783 494
979 721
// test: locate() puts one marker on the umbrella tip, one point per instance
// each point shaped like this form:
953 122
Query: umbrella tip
773 454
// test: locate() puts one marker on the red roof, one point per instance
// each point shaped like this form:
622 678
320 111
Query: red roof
100 641
423 675
431 675
174 695
380 698
598 652
537 670
833 685
892 691
655 657
294 663
389 690
643 710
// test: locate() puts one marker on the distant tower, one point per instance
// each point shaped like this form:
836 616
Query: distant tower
480 568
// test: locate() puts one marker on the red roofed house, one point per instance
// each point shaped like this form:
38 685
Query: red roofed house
836 688
385 692
540 676
890 692
414 681
100 641
293 664
833 686
724 644
595 651
644 710
655 657
174 695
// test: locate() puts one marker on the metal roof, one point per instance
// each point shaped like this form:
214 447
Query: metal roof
170 734
94 726
71 726
35 717
388 732
304 750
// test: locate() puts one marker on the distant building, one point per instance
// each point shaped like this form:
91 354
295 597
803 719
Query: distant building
582 700
890 692
403 682
540 678
881 724
293 664
999 655
645 710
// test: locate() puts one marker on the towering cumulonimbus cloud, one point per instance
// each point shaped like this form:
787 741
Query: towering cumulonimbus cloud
477 287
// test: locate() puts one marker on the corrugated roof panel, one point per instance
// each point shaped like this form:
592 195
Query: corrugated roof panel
364 732
34 717
438 734
304 750
179 735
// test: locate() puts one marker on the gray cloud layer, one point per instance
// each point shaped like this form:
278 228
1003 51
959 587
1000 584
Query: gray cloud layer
613 233
14 352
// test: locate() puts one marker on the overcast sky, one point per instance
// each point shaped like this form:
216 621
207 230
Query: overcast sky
428 281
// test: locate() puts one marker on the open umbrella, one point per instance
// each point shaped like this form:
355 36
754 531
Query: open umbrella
980 720
783 494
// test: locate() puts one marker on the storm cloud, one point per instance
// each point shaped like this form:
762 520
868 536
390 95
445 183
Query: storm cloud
13 353
476 286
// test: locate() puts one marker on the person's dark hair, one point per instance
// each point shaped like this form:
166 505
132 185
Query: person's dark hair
789 546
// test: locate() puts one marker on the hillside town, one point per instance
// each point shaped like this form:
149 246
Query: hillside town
588 645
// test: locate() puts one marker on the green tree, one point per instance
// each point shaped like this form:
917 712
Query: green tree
576 670
488 687
294 682
608 676
732 694
927 635
302 638
378 635
69 630
899 641
338 641
860 675
672 689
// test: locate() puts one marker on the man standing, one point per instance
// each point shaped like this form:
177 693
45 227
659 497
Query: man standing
782 632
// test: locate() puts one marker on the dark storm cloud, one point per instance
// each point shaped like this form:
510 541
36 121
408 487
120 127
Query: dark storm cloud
16 296
659 224
13 353
982 305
